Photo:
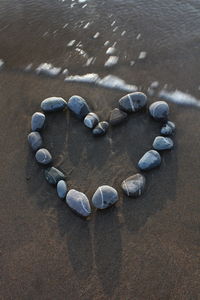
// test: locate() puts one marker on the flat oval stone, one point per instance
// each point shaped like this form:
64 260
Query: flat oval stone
168 128
53 175
117 116
159 110
163 143
149 160
61 189
91 120
35 140
133 102
43 156
37 121
134 185
78 202
101 128
78 106
104 197
53 104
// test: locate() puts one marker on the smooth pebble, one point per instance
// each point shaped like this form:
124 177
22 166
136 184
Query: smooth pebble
53 175
104 197
61 189
37 121
159 110
101 128
43 156
78 106
117 116
133 102
149 160
78 202
134 185
35 140
162 143
168 128
91 120
53 104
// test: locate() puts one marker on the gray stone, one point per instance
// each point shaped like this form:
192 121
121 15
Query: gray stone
53 175
78 106
149 160
35 140
37 121
43 156
162 143
53 104
133 102
159 110
78 202
168 128
62 189
117 116
134 185
91 120
101 128
104 197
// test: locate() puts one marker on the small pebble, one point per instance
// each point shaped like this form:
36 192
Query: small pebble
35 140
104 197
91 120
159 110
101 128
133 102
53 175
168 128
134 185
78 106
43 156
53 104
162 143
78 202
149 160
37 121
117 116
61 189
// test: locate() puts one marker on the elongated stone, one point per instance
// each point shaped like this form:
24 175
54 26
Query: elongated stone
104 197
134 185
162 143
101 128
117 116
168 128
53 175
91 120
78 202
133 102
149 160
35 140
37 121
61 189
78 106
159 110
53 104
43 156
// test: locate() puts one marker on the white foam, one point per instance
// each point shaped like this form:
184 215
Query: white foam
132 62
1 63
28 67
138 36
87 78
82 1
71 43
113 23
115 29
154 84
64 26
84 5
111 61
179 97
86 25
89 61
96 35
106 43
123 33
48 69
111 50
142 55
81 52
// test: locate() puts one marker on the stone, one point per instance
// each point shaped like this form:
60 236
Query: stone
134 185
149 160
78 106
61 189
78 202
35 140
43 156
91 120
53 175
159 110
37 121
101 128
162 143
168 128
133 102
104 197
53 104
117 116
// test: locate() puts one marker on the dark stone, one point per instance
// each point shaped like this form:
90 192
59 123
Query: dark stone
134 185
53 175
101 128
133 102
43 156
53 104
91 120
159 110
117 116
35 140
168 128
78 106
37 121
162 143
104 197
149 160
78 202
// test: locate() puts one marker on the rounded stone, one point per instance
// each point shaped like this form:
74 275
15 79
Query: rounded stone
61 189
159 110
78 202
91 120
78 106
133 102
37 121
53 104
104 197
134 185
162 143
149 160
168 128
35 140
101 128
117 116
53 175
43 156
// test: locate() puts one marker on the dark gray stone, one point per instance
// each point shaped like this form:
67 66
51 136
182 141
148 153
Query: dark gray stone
37 121
133 102
78 202
53 104
101 128
78 106
162 143
117 116
91 120
149 160
53 175
134 185
35 140
159 110
104 197
168 128
43 156
62 189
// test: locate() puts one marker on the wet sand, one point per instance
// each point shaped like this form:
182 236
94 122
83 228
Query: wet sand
147 248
